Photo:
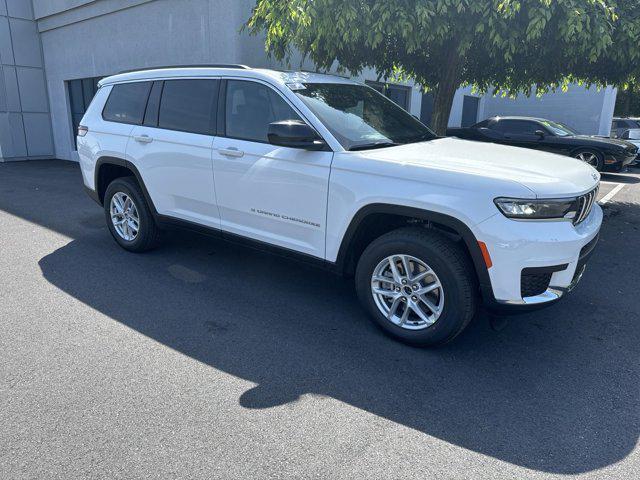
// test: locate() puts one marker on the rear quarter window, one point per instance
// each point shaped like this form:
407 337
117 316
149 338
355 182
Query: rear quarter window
127 103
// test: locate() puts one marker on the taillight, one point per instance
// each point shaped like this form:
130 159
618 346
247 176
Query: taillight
82 130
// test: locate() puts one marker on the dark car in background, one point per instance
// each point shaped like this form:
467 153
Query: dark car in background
621 125
604 154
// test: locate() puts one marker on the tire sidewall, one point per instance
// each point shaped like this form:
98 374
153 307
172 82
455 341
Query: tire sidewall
125 186
452 319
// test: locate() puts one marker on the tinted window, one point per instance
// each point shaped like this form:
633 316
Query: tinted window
189 106
127 102
251 107
518 127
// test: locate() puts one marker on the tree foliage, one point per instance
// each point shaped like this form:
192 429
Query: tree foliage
444 44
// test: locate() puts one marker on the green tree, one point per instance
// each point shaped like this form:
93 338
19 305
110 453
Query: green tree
444 44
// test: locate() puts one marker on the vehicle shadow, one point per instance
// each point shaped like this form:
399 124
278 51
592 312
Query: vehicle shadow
621 177
556 391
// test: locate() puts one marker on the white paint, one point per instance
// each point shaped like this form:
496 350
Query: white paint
607 198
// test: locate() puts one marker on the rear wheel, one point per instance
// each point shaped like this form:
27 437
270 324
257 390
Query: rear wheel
590 157
128 216
418 286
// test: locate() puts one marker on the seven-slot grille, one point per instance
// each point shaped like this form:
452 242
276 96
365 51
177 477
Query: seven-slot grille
585 204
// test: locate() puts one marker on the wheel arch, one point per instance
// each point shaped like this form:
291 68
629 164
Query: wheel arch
358 235
109 168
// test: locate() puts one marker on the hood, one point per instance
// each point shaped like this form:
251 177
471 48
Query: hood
604 141
547 175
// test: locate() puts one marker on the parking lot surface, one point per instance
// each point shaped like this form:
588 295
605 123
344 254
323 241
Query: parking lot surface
206 360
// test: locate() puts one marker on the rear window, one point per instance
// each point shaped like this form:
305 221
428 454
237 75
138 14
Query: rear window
189 106
127 102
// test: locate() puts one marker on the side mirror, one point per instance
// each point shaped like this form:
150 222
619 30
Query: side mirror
540 133
294 134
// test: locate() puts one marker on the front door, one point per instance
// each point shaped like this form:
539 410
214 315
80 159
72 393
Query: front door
272 194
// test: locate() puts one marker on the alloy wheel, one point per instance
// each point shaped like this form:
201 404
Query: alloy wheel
124 216
588 157
407 292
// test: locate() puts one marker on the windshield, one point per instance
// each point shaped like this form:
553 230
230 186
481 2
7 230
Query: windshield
359 117
559 129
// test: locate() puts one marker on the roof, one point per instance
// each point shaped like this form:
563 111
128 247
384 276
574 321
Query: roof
514 117
228 71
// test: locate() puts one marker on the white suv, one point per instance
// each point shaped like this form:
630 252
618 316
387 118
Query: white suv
330 171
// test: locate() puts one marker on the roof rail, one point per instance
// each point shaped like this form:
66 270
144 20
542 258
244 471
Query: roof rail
211 65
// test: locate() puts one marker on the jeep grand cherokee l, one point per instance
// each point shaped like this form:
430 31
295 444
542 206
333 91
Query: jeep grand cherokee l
331 171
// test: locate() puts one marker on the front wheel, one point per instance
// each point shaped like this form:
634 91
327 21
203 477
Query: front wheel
590 157
418 285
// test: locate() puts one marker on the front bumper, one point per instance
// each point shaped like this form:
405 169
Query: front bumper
559 247
616 163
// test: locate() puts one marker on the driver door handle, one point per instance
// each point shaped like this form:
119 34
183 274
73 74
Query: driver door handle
231 152
143 139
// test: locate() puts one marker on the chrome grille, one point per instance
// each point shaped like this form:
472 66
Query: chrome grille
585 204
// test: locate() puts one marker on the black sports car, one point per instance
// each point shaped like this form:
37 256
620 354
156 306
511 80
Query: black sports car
605 154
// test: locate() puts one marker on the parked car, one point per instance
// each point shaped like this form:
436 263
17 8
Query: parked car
328 170
621 125
604 154
632 136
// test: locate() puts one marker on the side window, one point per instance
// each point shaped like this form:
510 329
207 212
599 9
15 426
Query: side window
126 103
251 107
518 127
189 106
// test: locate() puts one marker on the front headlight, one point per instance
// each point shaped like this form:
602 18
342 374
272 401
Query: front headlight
543 209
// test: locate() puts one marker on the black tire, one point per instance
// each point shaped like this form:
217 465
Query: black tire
599 164
450 263
147 237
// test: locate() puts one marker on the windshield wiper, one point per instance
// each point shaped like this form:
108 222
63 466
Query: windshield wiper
371 146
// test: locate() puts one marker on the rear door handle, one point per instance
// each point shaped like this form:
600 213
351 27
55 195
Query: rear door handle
231 152
143 139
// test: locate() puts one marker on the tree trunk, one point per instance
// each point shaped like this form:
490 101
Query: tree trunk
445 92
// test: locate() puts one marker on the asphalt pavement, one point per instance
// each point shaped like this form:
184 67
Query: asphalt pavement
203 359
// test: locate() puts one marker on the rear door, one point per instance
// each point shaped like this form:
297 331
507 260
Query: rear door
277 195
173 148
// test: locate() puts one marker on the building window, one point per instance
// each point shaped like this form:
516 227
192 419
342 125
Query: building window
470 107
81 93
397 93
426 109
